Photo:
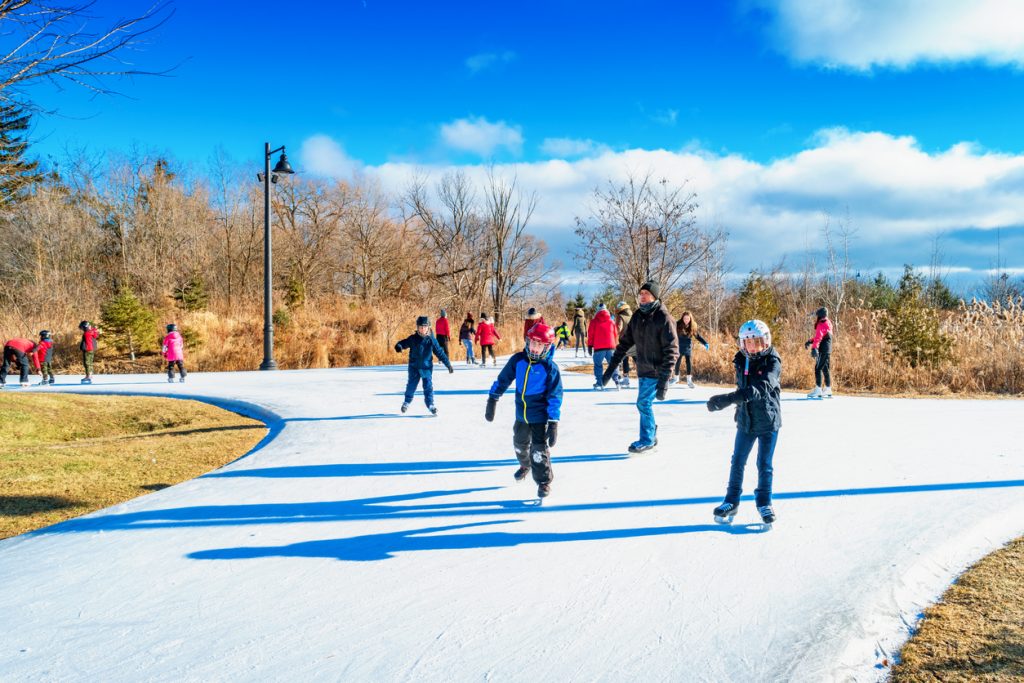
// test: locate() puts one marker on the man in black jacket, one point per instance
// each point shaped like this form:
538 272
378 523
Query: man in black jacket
653 332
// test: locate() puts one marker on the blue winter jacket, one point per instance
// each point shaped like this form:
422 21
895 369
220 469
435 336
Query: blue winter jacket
758 393
421 353
538 388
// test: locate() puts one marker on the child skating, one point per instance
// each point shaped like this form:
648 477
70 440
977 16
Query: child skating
88 348
821 351
43 357
758 419
538 405
174 353
422 349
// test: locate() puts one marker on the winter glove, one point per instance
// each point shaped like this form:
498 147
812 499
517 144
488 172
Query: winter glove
590 350
451 370
721 402
807 344
607 375
552 432
661 390
814 353
492 405
398 348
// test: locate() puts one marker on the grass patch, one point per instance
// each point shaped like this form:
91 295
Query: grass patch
976 631
63 455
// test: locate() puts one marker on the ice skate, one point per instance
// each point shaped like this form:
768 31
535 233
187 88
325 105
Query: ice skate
43 383
544 490
767 516
625 383
725 513
689 381
826 392
641 447
52 381
598 387
673 380
405 407
170 380
816 393
521 473
86 380
432 409
25 384
181 379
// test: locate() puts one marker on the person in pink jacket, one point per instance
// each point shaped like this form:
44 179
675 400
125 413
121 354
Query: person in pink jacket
821 351
486 334
174 353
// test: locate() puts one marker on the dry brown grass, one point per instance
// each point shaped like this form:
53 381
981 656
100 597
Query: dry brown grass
987 344
976 632
66 455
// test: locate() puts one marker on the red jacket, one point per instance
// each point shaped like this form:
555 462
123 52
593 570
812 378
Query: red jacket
821 329
89 339
603 332
528 323
41 353
23 345
486 335
442 328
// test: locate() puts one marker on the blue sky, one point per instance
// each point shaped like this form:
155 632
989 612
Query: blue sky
776 110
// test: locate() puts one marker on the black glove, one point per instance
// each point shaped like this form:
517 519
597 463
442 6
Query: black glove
552 432
814 353
590 350
451 370
661 390
398 348
721 401
607 375
807 344
492 405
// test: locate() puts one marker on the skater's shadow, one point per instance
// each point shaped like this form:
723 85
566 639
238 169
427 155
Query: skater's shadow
466 392
669 402
384 469
383 546
369 416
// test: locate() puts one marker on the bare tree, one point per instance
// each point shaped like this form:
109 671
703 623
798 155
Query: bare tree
837 273
636 231
516 257
708 279
56 42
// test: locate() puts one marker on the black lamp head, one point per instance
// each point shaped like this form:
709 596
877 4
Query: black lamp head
283 166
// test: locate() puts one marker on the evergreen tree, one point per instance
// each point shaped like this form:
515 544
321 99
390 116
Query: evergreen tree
911 327
16 173
881 294
578 302
128 324
192 296
756 300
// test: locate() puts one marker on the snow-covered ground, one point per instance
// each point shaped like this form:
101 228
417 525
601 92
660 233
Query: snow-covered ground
356 543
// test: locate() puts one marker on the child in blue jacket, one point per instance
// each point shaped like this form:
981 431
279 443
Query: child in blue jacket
538 405
422 349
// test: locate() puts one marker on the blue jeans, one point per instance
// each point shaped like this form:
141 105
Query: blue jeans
765 451
468 343
645 404
600 358
428 386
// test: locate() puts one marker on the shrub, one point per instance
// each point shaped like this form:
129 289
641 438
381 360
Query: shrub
127 324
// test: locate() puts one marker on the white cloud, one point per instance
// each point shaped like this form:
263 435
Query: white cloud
487 60
570 147
480 136
322 155
861 34
898 196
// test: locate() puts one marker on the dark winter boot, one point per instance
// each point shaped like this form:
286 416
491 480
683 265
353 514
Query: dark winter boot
521 473
405 407
544 490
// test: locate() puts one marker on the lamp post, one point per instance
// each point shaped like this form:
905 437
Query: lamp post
284 168
647 244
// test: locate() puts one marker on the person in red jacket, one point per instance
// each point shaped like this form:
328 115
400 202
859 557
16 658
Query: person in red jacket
17 351
532 318
443 332
486 334
602 338
88 347
42 357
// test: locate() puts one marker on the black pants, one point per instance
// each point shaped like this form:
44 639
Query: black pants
484 348
530 443
13 355
822 369
689 364
442 341
181 368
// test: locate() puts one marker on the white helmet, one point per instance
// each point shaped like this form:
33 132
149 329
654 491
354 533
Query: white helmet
755 329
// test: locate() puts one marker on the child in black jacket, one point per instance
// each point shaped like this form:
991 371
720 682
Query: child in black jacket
758 419
422 349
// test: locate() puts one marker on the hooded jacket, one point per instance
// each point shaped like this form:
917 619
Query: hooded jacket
657 346
759 407
822 339
486 335
538 387
603 333
422 350
174 347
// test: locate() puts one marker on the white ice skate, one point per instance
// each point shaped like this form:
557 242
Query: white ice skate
826 392
689 381
816 393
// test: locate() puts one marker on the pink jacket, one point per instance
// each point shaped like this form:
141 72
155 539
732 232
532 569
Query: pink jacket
823 327
174 347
